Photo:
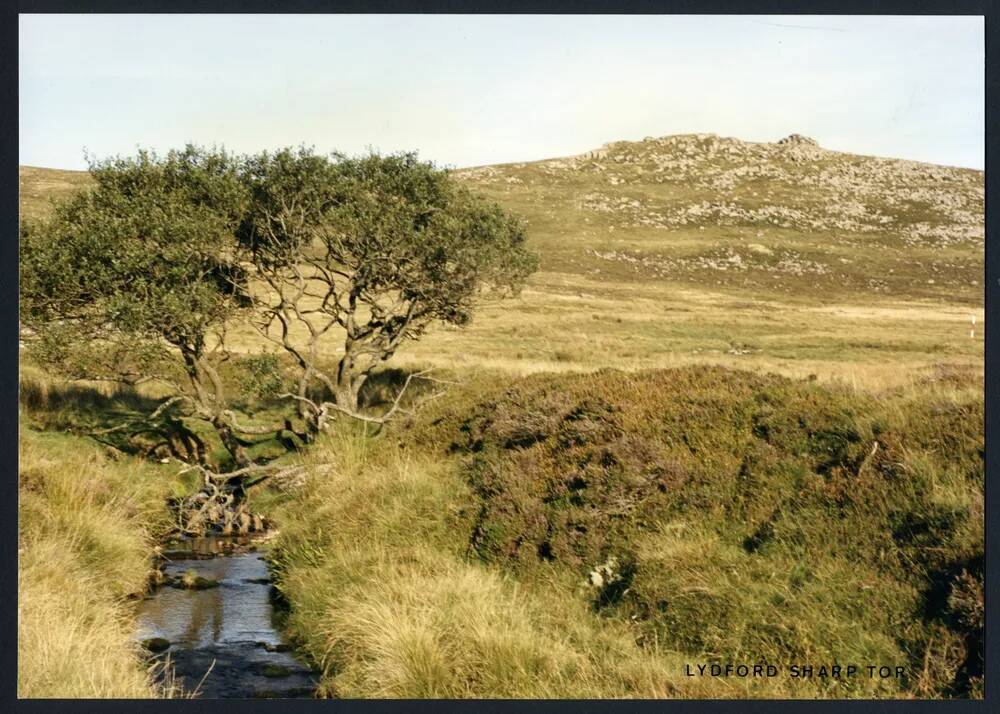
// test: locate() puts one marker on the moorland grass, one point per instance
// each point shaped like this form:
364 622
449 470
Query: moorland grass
778 534
730 517
87 528
386 602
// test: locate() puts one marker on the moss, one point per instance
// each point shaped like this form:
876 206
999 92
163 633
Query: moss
192 581
274 671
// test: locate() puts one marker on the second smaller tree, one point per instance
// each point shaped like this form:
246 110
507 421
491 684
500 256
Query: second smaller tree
135 278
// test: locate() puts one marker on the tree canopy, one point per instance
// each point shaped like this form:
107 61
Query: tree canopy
148 250
138 270
379 246
138 276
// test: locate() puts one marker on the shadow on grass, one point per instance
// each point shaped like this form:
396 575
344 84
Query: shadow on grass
114 415
118 416
382 388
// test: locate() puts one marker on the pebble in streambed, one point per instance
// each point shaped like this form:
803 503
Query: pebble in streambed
223 635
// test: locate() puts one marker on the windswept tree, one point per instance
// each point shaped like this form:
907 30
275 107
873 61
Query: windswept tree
372 250
135 278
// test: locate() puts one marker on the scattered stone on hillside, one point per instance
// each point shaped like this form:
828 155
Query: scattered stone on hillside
801 149
604 574
793 186
788 262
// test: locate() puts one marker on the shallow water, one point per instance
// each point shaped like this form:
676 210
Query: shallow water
223 640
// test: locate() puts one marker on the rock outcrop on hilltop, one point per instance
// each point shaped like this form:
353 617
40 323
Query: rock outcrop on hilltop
798 140
788 216
792 183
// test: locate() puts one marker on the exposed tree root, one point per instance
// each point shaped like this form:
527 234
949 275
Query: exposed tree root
221 505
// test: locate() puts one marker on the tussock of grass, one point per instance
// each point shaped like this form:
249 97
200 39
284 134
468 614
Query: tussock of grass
87 526
72 640
385 601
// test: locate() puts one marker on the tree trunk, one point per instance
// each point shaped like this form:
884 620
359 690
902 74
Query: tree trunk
301 406
347 396
212 402
349 381
229 440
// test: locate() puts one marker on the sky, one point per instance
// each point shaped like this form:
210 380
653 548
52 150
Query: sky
474 90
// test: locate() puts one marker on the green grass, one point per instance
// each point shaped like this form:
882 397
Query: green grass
385 601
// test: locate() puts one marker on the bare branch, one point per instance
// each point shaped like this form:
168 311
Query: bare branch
395 405
230 417
211 477
167 404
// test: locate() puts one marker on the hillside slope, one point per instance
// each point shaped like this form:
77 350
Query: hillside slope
780 217
593 535
782 257
787 218
41 188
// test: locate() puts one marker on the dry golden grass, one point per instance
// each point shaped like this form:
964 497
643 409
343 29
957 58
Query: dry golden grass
72 641
571 318
41 188
87 529
571 323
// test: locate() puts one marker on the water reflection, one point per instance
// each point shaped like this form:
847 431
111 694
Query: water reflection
230 625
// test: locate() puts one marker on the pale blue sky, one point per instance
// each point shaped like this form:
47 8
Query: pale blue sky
470 90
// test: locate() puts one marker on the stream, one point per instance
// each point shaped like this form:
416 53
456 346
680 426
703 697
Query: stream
220 639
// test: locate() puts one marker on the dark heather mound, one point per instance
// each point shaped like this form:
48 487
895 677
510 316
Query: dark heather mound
742 517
